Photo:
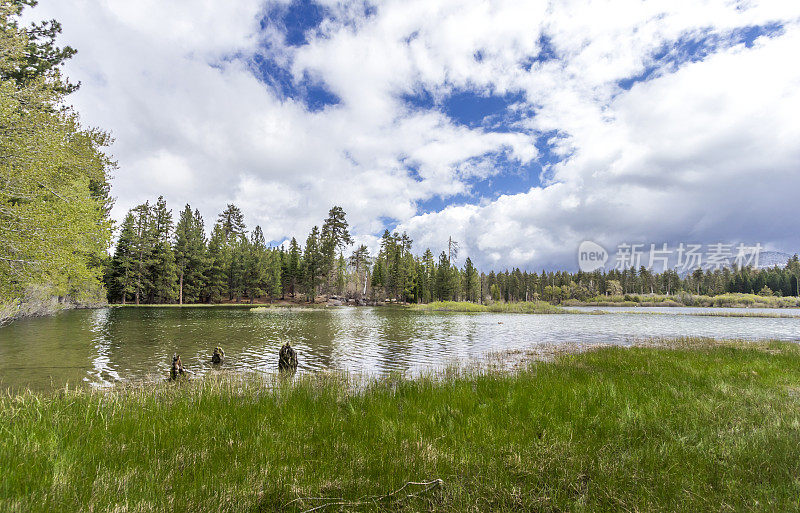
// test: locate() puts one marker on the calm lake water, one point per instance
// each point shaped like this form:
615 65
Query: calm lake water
100 347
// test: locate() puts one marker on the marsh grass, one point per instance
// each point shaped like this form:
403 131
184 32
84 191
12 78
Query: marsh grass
743 313
692 425
740 313
536 307
732 300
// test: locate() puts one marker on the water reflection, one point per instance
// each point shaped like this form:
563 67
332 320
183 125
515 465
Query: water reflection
103 372
100 347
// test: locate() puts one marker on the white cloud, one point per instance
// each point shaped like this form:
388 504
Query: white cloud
704 154
705 150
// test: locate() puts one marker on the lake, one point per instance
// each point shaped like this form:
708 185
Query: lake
100 347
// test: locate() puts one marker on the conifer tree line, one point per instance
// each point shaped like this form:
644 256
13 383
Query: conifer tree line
159 261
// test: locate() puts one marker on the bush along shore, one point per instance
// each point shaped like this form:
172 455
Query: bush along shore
688 426
731 300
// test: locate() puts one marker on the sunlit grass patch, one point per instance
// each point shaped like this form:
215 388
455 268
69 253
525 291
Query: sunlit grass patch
498 307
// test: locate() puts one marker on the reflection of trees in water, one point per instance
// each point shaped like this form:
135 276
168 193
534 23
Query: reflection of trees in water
103 371
138 343
317 333
410 341
143 340
355 340
399 344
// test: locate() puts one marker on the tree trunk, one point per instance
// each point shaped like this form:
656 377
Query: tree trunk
180 293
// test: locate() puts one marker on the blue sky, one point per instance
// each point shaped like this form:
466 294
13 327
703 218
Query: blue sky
519 128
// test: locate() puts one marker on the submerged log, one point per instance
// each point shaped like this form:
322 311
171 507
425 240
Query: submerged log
218 356
177 369
287 358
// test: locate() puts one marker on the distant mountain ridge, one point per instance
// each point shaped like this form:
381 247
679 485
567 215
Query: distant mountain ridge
769 259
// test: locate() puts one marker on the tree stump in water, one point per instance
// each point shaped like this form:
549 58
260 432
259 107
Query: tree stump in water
218 355
177 370
287 359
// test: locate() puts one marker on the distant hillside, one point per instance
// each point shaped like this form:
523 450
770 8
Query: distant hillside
769 259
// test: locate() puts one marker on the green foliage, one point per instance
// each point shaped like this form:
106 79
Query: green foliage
214 276
232 222
41 58
294 270
333 238
123 265
444 282
471 282
531 307
54 228
162 272
190 255
313 262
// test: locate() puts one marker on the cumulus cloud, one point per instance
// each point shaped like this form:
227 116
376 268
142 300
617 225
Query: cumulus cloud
651 121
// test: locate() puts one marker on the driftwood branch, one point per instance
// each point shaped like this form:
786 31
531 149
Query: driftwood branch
339 501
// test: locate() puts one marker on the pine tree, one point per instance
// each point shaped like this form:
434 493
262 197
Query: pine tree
378 282
162 271
444 287
341 274
334 237
232 221
142 248
123 264
471 285
238 249
293 267
257 266
428 278
274 277
214 278
235 248
312 262
190 255
359 260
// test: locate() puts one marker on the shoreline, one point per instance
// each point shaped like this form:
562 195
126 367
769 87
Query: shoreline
567 433
11 313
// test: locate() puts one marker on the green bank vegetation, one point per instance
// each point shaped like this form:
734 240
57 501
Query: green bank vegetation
542 307
730 299
692 426
534 307
54 191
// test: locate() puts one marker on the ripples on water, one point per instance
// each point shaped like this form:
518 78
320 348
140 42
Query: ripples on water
100 347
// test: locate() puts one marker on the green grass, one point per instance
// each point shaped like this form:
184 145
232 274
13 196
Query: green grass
696 427
536 307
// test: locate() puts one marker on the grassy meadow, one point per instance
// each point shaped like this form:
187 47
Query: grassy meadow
688 426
